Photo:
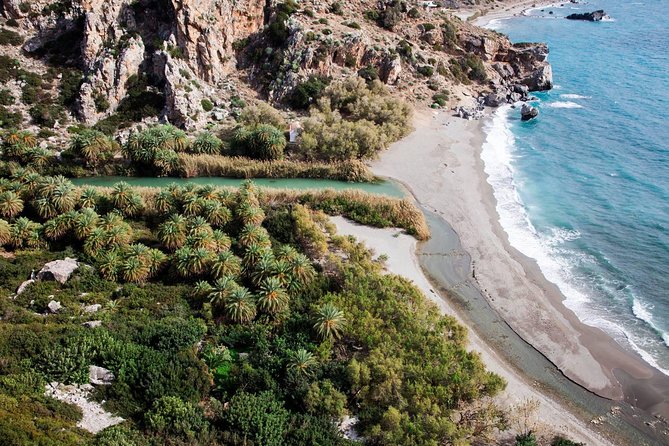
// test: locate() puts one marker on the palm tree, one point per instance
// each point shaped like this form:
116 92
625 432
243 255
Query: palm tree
164 202
210 192
215 213
283 272
201 240
25 234
302 270
272 298
286 252
329 322
10 204
5 232
156 260
226 264
252 234
192 205
118 236
86 220
198 225
221 290
88 198
56 228
95 241
202 288
172 233
111 220
45 207
263 268
302 362
126 199
192 261
93 146
250 214
252 254
109 265
60 193
133 269
240 306
221 241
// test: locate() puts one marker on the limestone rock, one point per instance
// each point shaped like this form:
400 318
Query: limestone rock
92 324
23 286
92 308
108 76
497 98
100 375
206 30
54 306
58 270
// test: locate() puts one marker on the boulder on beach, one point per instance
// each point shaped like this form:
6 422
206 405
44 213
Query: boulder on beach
594 16
528 112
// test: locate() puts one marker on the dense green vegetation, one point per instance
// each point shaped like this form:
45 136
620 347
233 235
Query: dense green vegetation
228 317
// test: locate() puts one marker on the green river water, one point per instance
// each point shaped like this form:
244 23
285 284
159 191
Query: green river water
387 188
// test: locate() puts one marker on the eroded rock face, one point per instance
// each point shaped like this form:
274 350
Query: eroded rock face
108 78
206 29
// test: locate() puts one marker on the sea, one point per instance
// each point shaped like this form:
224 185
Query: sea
584 188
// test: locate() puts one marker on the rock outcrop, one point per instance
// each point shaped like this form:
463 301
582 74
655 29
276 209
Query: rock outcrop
528 112
206 29
58 270
595 16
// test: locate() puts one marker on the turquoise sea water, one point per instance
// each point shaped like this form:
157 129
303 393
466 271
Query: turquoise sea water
584 189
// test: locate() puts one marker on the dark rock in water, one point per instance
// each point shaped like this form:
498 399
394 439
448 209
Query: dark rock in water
528 112
594 16
550 12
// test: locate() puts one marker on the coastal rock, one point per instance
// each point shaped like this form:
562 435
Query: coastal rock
58 270
528 112
595 16
496 99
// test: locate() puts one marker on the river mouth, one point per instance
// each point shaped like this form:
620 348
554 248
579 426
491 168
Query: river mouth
385 187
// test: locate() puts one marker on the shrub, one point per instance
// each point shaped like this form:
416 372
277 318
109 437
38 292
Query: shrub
372 15
440 98
101 103
9 37
206 143
425 70
207 105
9 119
527 439
354 25
308 92
262 113
561 441
260 418
172 416
425 27
413 13
369 73
336 8
354 120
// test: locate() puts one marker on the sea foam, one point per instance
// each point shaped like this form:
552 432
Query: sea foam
564 104
574 96
556 261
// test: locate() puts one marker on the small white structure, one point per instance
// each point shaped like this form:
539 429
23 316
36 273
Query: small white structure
294 131
429 4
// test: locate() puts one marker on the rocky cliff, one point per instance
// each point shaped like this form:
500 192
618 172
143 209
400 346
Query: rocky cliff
196 58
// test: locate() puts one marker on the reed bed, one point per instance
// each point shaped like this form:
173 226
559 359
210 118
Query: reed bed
240 167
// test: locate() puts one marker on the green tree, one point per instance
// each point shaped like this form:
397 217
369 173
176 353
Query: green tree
302 362
260 419
174 417
329 322
240 305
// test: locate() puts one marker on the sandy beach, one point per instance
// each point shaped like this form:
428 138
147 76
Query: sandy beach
440 163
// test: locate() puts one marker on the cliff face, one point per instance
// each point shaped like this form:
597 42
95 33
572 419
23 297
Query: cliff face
197 52
206 29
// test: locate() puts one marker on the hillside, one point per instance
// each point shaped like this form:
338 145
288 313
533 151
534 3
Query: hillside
196 64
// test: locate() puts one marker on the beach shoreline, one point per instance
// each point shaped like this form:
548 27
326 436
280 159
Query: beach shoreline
440 163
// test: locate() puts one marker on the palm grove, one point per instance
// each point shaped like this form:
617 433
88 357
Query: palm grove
228 317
